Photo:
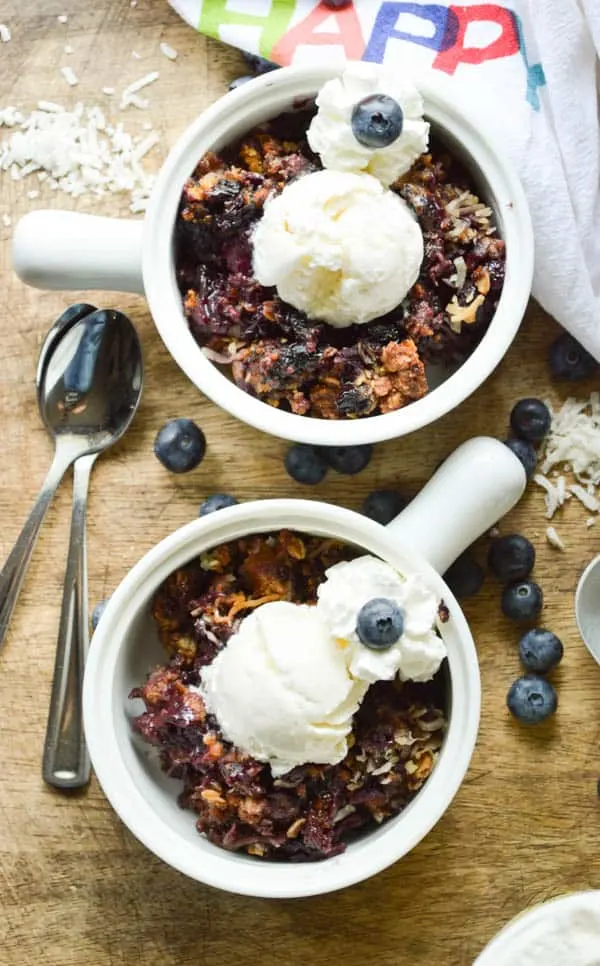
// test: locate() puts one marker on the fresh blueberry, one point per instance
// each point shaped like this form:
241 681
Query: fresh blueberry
239 82
380 623
180 445
525 452
377 121
511 557
98 612
383 505
306 464
522 600
465 576
348 459
258 64
531 699
569 360
540 650
530 419
218 501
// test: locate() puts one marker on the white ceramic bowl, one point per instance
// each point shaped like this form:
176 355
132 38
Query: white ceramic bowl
67 250
480 482
519 941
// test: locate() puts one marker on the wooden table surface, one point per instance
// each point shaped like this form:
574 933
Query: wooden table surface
76 888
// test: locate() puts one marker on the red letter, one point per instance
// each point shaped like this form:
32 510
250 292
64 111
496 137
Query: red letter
504 45
349 34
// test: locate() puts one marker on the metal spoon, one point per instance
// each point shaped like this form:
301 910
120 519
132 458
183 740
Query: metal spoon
100 376
587 608
67 450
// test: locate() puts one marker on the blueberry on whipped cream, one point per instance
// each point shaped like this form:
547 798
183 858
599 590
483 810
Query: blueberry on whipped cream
380 623
377 121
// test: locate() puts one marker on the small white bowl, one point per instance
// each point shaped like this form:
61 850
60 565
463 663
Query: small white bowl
481 481
522 934
67 250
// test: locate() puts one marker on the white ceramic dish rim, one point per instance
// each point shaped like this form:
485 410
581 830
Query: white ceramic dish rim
506 942
264 97
103 710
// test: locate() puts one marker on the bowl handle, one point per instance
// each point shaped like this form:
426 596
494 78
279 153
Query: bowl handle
68 250
478 483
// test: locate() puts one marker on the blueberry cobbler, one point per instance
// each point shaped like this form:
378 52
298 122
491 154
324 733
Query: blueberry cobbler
333 253
304 700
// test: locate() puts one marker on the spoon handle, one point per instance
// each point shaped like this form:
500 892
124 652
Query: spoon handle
66 762
15 568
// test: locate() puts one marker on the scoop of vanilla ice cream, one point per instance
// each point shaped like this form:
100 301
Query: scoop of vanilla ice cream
330 132
281 690
339 247
418 653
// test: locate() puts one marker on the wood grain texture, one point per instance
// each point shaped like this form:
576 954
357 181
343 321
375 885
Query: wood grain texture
76 888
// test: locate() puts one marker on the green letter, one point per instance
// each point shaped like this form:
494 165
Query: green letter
215 14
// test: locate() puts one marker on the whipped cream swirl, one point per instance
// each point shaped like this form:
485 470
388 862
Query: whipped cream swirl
330 133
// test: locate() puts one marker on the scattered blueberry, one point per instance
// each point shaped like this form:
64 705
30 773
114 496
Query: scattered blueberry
511 557
258 64
530 419
239 82
98 612
348 459
525 452
465 576
569 360
522 600
180 445
306 464
380 623
218 501
531 699
540 650
383 505
377 121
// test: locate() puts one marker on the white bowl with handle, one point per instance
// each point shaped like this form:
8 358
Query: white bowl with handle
475 486
67 250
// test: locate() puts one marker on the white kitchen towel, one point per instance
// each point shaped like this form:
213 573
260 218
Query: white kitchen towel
530 73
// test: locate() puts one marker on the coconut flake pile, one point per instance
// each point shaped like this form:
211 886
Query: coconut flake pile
572 444
78 152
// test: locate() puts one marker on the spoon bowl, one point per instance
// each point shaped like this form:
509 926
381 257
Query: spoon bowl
89 383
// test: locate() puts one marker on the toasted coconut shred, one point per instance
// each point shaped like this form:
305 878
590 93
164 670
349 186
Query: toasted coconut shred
572 445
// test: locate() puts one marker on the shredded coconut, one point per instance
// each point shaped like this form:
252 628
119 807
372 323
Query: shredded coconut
573 444
169 52
135 55
590 522
5 33
70 76
590 502
6 220
108 91
129 95
68 49
76 151
553 539
62 18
